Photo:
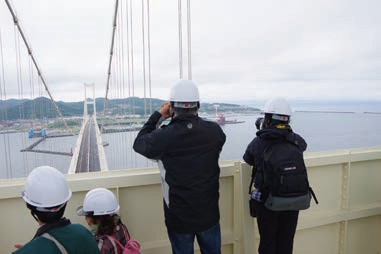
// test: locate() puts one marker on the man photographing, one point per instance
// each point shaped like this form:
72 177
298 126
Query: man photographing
187 151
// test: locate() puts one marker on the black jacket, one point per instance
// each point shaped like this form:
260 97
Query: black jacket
187 151
254 151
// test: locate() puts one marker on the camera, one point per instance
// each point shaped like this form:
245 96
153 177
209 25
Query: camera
259 122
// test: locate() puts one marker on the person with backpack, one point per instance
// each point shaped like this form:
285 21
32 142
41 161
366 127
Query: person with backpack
100 208
187 151
46 194
279 176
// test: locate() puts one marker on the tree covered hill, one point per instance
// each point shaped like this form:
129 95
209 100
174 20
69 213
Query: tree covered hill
42 107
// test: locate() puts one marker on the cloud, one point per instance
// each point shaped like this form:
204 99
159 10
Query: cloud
240 49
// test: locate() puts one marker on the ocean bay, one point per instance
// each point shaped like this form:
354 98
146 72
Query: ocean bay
323 132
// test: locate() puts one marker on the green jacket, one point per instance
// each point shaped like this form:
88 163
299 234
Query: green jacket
74 237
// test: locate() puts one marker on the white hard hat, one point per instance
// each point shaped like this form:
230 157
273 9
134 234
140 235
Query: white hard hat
277 106
184 91
46 187
99 201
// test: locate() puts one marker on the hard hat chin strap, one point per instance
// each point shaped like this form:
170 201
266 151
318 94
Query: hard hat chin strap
172 110
34 215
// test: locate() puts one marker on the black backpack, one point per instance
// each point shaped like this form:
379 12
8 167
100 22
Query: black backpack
285 176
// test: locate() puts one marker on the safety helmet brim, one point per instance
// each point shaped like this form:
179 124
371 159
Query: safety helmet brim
81 212
46 187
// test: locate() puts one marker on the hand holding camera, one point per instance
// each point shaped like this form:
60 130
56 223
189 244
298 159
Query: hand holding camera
165 110
259 123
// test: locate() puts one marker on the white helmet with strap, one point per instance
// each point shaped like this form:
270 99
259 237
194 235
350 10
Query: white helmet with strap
99 201
46 187
184 94
279 107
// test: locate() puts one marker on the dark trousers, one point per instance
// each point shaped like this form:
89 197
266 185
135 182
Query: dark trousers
276 229
208 240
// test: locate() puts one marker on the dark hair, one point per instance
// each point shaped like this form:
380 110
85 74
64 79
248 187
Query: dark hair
47 217
106 224
269 121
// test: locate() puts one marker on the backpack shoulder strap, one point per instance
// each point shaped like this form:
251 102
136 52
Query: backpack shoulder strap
114 240
58 244
253 172
125 231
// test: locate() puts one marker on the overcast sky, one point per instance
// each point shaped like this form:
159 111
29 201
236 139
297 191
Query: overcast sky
241 49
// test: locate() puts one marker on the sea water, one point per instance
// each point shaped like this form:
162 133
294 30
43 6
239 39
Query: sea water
352 126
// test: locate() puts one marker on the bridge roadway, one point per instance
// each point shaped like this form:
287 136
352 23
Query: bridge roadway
88 158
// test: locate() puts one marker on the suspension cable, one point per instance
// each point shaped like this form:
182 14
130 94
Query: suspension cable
180 41
128 58
110 59
144 60
149 58
128 5
16 22
17 51
21 78
189 41
122 55
132 61
4 113
20 88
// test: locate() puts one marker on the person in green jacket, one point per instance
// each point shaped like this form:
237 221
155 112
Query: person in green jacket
46 194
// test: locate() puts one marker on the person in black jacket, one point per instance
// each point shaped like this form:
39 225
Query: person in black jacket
187 151
276 228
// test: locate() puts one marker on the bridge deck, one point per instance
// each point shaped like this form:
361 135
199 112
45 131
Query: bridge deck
88 158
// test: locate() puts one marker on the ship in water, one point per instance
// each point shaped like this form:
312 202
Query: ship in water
222 120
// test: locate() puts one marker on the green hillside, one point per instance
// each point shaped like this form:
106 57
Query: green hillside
42 107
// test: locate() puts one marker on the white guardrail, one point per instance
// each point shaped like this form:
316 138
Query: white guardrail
347 219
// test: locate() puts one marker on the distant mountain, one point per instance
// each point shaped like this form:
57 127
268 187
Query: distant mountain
42 107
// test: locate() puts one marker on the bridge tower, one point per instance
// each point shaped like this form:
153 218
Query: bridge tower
87 101
89 155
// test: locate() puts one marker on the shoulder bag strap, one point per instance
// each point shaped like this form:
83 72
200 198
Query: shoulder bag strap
58 244
253 172
113 241
125 231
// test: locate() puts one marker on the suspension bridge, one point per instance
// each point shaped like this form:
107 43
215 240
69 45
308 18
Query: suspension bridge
88 154
347 220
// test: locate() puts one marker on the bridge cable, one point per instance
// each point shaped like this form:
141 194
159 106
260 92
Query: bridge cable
18 69
20 89
189 41
132 72
119 70
144 60
110 60
128 57
4 114
17 24
122 54
129 76
149 57
132 60
117 61
33 109
180 41
122 137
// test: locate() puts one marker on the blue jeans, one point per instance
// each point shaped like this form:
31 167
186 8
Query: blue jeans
208 240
